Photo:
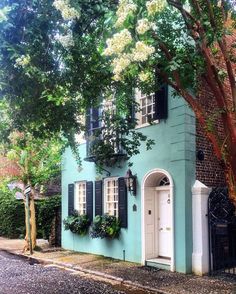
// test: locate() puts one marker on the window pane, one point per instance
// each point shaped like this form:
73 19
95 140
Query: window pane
149 100
80 199
111 196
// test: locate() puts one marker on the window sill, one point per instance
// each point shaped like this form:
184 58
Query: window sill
155 122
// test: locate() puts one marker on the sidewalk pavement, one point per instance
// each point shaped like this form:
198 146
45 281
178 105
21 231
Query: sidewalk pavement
148 279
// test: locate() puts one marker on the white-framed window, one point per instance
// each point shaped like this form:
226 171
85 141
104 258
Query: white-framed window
147 109
147 105
80 197
111 196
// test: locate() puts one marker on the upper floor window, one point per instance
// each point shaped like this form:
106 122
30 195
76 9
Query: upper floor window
152 106
147 105
80 197
111 196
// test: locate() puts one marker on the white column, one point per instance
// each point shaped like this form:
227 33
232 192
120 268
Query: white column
200 256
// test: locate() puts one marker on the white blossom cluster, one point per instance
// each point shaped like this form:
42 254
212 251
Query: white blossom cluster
66 41
120 64
125 8
67 12
3 13
22 61
154 6
143 26
142 51
144 76
118 42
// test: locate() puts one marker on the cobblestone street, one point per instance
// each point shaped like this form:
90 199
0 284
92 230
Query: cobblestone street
19 276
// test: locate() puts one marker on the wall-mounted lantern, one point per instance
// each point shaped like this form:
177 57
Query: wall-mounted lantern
200 155
131 182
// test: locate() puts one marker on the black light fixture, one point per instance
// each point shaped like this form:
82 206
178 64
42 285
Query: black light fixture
131 181
200 155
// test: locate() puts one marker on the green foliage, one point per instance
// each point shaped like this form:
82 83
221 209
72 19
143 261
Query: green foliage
77 224
48 85
46 79
105 226
12 215
46 211
37 159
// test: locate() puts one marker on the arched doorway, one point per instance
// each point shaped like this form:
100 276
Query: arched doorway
157 218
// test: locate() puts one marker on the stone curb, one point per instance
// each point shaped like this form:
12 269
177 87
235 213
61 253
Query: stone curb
87 271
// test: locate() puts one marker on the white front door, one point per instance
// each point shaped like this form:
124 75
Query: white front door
164 223
150 227
157 223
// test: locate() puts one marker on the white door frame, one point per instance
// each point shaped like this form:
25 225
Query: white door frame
170 188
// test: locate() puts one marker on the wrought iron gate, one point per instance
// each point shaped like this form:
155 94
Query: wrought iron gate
222 232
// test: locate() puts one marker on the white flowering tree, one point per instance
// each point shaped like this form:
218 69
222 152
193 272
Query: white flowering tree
52 68
54 63
188 45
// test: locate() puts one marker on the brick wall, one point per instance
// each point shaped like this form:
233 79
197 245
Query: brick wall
8 168
209 171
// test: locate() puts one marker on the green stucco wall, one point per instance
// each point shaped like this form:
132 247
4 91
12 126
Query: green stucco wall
174 152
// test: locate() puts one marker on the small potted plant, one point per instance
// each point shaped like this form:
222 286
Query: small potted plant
77 224
105 226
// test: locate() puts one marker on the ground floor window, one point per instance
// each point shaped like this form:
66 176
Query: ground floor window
80 197
111 196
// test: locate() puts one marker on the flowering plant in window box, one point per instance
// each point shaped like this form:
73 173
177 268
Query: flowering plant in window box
105 226
77 224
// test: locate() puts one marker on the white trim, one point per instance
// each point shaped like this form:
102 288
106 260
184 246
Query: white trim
162 188
171 188
77 203
200 260
155 122
108 179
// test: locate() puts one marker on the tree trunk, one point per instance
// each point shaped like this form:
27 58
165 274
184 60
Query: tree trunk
33 230
33 220
27 245
230 176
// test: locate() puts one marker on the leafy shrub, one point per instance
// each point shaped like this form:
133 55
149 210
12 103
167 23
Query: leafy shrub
77 224
46 210
12 215
105 226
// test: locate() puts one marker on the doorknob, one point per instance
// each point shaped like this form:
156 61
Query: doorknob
168 228
161 229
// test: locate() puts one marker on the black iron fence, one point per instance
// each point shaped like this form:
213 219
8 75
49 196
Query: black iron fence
222 232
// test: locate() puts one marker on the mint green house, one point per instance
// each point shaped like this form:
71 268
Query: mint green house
157 227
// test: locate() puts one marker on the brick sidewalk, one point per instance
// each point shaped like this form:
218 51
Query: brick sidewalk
150 279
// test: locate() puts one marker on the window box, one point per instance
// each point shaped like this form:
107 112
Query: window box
105 226
77 224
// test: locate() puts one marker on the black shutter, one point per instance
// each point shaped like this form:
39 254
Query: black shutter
95 118
98 198
70 199
88 121
122 203
89 200
131 112
88 131
161 103
92 128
